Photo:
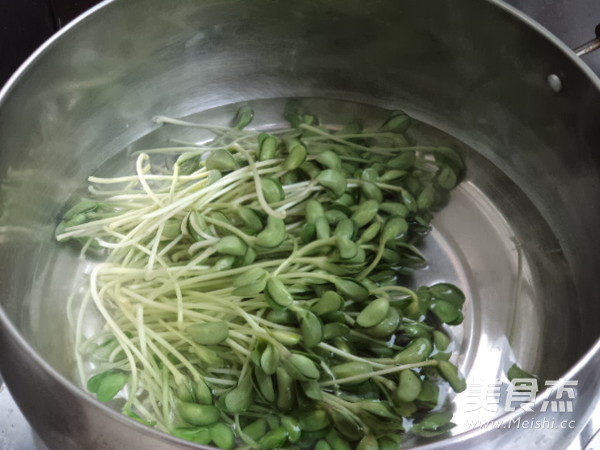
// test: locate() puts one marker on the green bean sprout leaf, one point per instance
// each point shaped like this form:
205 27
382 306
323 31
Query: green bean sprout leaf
426 198
452 375
373 313
138 418
448 292
330 160
273 439
193 434
322 228
446 312
311 328
222 435
394 208
269 360
313 210
268 147
334 216
202 393
250 276
83 207
315 420
273 234
351 289
256 429
302 368
232 245
200 415
251 219
418 430
335 330
188 163
330 301
251 289
104 351
446 177
334 181
278 292
387 326
208 333
293 428
185 392
312 389
265 385
377 408
409 386
243 117
272 190
521 379
346 247
220 160
296 157
371 191
370 233
393 227
365 213
405 161
346 424
350 369
107 385
441 340
345 228
436 420
238 399
398 122
418 350
429 394
392 175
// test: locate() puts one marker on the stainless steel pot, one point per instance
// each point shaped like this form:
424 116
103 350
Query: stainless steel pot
520 234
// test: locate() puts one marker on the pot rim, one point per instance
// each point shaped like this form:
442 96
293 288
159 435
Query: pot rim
466 436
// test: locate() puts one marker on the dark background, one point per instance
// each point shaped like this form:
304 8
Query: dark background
26 24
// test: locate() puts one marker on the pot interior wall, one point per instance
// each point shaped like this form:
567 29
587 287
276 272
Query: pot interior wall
523 225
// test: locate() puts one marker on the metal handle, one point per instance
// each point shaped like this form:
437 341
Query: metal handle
589 47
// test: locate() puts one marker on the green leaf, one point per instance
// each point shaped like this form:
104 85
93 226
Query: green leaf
351 289
193 434
232 245
330 160
272 190
452 375
296 157
311 328
333 180
398 122
267 146
208 333
278 292
373 313
107 385
243 117
365 213
200 415
220 160
273 234
222 435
